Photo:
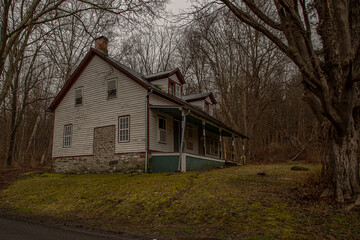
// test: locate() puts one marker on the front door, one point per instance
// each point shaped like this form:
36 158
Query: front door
176 135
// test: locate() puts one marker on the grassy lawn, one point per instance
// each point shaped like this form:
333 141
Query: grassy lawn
231 203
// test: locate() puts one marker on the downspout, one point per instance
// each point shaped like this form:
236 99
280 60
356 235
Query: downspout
147 129
182 136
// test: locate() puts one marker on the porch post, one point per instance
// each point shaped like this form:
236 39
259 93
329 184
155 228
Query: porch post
183 124
220 143
204 137
232 147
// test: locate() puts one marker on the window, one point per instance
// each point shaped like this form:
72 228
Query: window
124 129
171 88
189 139
178 90
67 135
211 146
162 130
78 96
111 88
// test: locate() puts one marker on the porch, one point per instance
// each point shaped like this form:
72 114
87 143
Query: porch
171 162
194 140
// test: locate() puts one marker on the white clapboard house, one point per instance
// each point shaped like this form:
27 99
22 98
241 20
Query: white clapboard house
108 117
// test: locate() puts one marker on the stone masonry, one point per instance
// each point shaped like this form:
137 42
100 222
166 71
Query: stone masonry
104 158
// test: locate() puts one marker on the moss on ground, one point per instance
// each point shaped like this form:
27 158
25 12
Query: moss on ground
226 203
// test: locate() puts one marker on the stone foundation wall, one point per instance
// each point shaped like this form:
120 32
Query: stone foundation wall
104 158
125 163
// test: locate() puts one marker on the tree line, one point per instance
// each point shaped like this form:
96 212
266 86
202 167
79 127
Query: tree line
261 59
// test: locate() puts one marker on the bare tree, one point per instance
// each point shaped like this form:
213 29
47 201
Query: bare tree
19 17
330 71
243 68
41 43
151 49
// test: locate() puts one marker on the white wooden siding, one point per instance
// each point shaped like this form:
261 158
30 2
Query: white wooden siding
199 104
156 99
155 145
175 79
161 83
98 111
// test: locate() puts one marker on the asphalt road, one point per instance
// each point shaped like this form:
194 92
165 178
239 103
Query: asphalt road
14 229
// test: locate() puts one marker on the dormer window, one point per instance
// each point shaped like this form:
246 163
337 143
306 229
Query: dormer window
171 88
178 91
78 96
112 88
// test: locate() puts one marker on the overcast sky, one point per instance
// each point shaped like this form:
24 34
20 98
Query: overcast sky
176 5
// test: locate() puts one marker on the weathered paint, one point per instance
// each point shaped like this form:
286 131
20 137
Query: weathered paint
164 163
168 162
98 111
194 163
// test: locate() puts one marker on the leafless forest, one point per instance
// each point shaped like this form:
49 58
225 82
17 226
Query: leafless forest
258 89
285 73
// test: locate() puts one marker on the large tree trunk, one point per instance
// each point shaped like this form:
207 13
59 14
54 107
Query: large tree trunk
341 163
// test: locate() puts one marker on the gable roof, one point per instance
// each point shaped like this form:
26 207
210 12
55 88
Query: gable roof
164 74
138 78
200 96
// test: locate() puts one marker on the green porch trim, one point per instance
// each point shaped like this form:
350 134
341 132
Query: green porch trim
168 162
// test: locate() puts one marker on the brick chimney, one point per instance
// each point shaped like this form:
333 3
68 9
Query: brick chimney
101 44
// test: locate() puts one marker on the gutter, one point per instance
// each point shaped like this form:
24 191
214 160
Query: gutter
150 90
182 135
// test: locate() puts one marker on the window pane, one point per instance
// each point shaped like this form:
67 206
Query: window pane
171 88
124 129
162 136
162 123
67 135
112 88
111 84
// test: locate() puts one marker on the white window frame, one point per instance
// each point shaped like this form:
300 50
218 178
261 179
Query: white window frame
82 96
212 147
178 90
124 129
161 131
107 88
172 89
67 136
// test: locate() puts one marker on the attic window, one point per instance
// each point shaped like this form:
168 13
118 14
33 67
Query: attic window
171 88
111 88
78 96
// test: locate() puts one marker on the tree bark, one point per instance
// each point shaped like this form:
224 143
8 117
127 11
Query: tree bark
341 163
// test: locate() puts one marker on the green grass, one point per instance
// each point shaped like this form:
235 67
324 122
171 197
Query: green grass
225 203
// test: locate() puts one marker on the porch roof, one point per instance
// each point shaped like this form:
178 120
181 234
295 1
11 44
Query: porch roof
196 117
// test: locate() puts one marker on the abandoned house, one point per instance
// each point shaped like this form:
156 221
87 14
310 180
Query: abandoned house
110 118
